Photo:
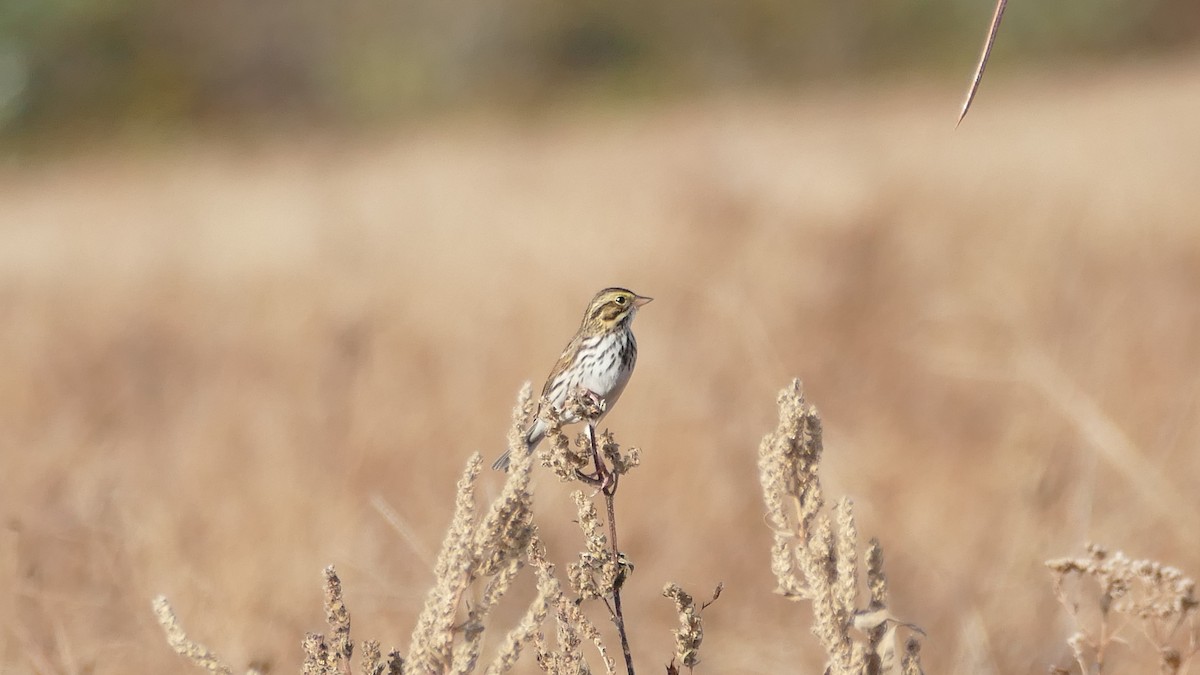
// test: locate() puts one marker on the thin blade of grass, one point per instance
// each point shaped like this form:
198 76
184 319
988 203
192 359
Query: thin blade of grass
983 59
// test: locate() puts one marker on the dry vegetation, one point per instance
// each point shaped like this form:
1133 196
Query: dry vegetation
226 368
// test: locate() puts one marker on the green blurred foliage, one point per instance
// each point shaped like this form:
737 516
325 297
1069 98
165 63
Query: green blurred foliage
97 65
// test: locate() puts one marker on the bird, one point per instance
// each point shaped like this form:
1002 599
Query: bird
598 360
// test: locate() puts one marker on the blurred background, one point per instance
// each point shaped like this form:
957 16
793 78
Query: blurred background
92 66
270 272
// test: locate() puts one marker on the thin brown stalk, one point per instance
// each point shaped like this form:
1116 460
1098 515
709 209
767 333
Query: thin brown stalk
994 28
610 492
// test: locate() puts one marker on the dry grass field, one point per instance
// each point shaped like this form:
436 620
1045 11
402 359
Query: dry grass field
219 359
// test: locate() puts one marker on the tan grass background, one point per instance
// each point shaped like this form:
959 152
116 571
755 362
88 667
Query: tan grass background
216 355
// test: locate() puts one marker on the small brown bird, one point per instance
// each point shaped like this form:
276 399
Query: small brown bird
599 359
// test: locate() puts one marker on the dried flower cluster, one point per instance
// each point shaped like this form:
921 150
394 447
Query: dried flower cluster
481 555
566 459
815 556
595 574
572 627
691 627
620 462
556 452
1161 599
601 569
332 656
193 651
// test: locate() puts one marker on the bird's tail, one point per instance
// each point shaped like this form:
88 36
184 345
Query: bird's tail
532 439
502 463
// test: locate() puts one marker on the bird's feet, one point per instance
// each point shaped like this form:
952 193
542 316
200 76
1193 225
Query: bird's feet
591 404
605 481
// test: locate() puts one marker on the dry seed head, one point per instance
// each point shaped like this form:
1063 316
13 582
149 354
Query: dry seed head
504 532
430 649
691 630
1161 597
610 450
317 660
876 580
788 458
795 446
572 626
522 414
372 658
466 654
820 570
784 566
846 548
527 629
589 523
337 616
595 573
182 644
530 626
815 556
569 656
514 641
1142 588
578 625
373 662
555 452
497 586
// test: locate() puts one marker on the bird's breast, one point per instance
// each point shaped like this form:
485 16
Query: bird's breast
607 363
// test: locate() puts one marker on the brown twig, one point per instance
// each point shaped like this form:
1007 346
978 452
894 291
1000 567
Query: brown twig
603 479
983 59
617 615
608 485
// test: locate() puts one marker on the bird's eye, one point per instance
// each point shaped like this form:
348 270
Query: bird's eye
620 300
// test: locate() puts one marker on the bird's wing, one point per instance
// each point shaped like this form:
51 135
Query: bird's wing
564 362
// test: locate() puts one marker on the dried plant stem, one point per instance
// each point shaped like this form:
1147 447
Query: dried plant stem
608 487
618 617
988 42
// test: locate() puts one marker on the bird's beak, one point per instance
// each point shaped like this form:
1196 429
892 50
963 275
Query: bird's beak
641 300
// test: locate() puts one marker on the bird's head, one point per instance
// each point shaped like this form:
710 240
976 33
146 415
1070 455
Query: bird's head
612 308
